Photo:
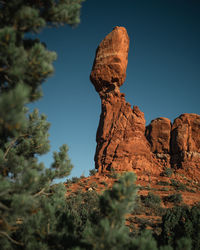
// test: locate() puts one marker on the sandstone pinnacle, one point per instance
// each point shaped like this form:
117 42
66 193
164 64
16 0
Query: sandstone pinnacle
121 141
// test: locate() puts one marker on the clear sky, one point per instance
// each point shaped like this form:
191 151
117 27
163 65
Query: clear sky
163 73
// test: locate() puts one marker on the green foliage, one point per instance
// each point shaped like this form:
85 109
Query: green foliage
110 231
144 241
93 172
80 209
184 244
152 203
175 198
178 185
163 183
27 61
94 185
148 187
167 172
151 200
75 179
139 207
30 206
113 174
104 183
181 222
13 112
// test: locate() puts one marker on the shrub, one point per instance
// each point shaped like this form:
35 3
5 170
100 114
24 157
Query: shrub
139 207
143 241
75 179
114 174
93 172
184 243
167 172
104 183
152 203
151 200
110 231
181 222
177 185
163 183
81 209
145 187
175 198
94 185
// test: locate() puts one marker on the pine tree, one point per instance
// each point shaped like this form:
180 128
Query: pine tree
181 227
110 231
30 206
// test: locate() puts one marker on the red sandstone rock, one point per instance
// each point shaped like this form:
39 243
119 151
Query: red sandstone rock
186 134
185 145
158 134
109 68
121 141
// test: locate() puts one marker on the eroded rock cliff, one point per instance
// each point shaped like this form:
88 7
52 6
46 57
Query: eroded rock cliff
123 142
177 145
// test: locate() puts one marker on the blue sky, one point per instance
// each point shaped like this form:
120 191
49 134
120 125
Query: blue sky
163 73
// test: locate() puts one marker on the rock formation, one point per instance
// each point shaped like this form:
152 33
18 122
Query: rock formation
109 68
185 144
158 134
186 134
123 142
177 145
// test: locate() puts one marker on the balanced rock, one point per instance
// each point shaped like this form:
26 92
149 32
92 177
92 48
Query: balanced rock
109 68
121 141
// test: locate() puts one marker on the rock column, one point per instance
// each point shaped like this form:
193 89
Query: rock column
121 141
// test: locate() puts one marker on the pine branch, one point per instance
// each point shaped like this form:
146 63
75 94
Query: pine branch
11 239
7 78
6 225
4 206
5 192
10 146
39 146
41 192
